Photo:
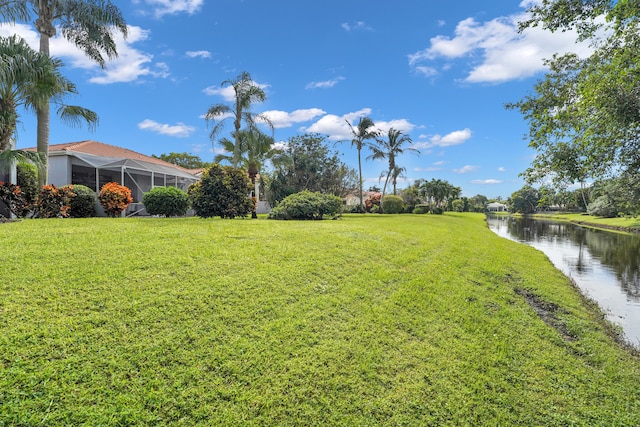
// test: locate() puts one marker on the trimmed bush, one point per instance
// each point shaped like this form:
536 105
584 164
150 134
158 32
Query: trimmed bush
114 198
306 205
167 201
437 210
27 178
421 209
392 204
223 191
83 205
53 202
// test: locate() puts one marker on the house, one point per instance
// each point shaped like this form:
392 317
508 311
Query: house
93 164
496 207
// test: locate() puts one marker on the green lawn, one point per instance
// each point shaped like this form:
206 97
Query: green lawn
411 320
631 224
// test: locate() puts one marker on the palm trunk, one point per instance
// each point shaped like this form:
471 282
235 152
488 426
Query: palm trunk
384 190
360 182
44 116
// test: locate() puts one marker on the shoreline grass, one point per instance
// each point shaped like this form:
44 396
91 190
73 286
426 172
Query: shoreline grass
620 224
369 320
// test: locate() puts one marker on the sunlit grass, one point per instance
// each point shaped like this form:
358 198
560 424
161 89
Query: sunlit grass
369 320
631 223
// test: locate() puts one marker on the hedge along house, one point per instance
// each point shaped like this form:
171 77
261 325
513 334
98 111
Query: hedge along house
93 164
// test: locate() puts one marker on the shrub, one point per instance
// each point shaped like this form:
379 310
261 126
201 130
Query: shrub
421 209
603 206
436 210
14 199
371 201
83 205
167 201
114 198
27 178
392 204
223 191
53 202
306 205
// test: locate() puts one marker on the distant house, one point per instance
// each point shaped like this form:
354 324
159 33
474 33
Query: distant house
93 164
496 207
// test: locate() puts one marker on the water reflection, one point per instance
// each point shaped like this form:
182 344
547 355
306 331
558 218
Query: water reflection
605 265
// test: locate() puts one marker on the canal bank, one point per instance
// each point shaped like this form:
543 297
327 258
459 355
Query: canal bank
620 224
605 266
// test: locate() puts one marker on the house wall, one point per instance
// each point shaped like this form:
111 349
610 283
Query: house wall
59 170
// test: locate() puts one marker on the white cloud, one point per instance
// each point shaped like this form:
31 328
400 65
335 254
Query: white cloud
486 181
324 85
502 169
466 169
130 65
426 71
337 129
453 138
159 8
198 54
282 119
356 26
336 126
505 53
179 131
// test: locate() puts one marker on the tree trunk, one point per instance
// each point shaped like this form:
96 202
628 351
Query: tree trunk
360 182
44 117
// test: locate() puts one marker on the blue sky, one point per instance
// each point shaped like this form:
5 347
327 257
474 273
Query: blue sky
439 71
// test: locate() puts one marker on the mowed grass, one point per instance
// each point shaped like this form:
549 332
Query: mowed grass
411 320
631 224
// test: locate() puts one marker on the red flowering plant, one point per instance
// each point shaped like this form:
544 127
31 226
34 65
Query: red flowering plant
53 202
12 197
114 198
371 201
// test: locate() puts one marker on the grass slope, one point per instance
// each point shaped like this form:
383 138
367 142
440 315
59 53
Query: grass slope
408 320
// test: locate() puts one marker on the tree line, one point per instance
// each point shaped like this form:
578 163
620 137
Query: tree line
584 115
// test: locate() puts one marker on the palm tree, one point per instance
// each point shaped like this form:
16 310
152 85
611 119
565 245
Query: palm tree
396 173
255 148
88 24
246 94
31 79
363 131
389 149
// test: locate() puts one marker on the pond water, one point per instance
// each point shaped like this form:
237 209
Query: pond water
604 265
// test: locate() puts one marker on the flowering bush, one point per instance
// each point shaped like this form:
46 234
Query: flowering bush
371 202
114 198
53 202
13 198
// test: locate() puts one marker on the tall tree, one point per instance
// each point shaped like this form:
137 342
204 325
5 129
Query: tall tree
185 160
584 117
364 130
88 24
246 93
390 148
307 164
255 149
31 79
